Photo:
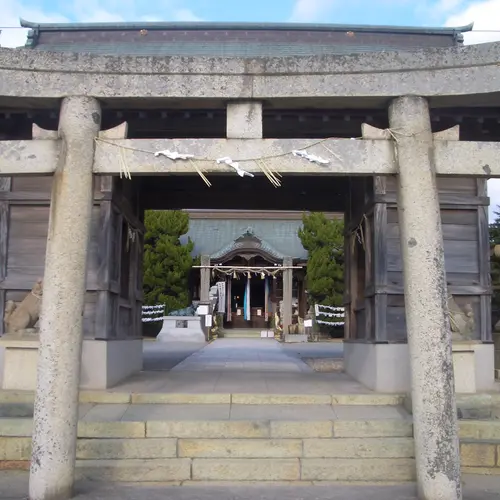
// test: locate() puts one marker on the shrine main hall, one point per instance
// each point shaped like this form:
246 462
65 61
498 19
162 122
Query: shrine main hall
395 127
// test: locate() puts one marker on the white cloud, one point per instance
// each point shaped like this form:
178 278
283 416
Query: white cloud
311 10
12 10
186 15
486 16
88 11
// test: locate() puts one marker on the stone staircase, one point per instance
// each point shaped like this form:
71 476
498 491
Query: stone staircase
242 333
193 438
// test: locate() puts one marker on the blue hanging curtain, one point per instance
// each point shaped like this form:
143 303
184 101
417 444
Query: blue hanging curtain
246 301
266 298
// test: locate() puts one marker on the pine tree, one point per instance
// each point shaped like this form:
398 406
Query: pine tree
167 262
324 241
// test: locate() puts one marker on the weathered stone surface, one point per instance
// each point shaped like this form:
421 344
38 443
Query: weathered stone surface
14 465
240 448
15 448
111 430
470 70
167 398
105 397
372 428
246 469
359 157
20 427
123 449
426 311
324 469
61 318
483 471
478 454
244 120
367 399
359 448
208 429
17 397
37 157
301 429
169 469
16 410
280 399
479 430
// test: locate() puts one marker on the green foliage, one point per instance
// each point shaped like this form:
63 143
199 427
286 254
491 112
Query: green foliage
324 241
167 263
495 261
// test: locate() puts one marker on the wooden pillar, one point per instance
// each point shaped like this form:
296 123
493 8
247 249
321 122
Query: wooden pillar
287 294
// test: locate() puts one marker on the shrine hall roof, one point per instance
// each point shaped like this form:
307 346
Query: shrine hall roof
234 39
211 236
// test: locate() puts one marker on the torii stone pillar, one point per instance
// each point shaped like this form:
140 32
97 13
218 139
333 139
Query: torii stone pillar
427 323
287 294
205 273
56 403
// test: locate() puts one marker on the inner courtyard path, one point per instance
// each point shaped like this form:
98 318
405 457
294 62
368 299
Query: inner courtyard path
239 365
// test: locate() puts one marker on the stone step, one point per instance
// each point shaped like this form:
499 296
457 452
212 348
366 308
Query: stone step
110 397
226 429
249 469
298 451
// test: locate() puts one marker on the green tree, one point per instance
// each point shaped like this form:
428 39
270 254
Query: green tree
167 262
495 262
324 241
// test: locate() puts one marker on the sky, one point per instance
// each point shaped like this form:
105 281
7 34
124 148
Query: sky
484 14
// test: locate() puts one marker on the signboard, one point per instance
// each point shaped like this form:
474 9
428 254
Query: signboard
202 310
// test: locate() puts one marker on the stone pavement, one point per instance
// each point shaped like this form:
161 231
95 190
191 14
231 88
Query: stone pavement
239 366
14 486
163 356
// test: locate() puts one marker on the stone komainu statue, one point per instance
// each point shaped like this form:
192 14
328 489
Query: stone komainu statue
24 317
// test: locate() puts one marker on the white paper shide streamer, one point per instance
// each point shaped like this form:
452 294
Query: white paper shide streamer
329 312
173 155
234 164
310 157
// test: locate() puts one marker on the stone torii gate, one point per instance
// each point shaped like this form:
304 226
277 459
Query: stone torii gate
407 150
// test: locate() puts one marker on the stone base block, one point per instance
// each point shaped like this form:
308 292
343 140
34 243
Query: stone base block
181 329
297 337
380 367
464 359
386 367
19 363
104 363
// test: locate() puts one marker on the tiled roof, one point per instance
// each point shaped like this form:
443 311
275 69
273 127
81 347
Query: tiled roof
234 39
213 236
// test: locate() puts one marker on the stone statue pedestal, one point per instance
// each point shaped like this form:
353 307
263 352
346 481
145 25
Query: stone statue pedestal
20 361
181 329
464 365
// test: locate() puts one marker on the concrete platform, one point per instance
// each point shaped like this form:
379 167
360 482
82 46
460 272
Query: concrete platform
14 486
